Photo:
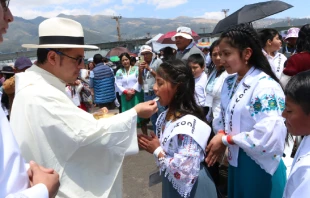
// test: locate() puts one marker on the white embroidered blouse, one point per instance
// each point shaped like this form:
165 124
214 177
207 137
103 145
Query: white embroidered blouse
183 157
256 122
127 80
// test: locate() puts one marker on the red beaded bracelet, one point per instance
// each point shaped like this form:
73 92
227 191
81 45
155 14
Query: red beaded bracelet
221 132
230 139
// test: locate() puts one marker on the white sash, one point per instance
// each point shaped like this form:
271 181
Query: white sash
187 125
232 108
276 66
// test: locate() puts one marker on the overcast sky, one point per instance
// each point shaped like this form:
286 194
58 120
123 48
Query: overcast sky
30 9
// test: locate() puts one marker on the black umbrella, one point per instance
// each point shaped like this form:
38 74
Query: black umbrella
251 12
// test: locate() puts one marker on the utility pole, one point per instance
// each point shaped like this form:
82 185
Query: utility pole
203 29
288 21
118 26
225 12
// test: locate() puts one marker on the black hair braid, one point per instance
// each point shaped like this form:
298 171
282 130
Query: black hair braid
246 30
252 33
243 36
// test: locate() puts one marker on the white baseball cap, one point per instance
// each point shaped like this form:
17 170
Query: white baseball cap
185 32
146 48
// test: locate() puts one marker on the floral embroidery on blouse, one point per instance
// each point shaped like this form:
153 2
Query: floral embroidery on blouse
182 163
230 82
281 102
122 72
267 102
252 146
268 78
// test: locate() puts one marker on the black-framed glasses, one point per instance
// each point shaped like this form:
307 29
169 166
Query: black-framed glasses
5 4
146 54
79 60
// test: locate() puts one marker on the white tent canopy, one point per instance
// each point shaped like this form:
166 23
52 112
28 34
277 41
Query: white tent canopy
157 46
154 39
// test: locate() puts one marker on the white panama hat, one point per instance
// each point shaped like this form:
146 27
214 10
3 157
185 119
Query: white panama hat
60 32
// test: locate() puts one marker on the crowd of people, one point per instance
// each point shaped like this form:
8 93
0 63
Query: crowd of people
241 104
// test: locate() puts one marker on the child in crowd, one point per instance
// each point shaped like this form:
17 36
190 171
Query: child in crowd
196 63
73 91
297 115
272 43
181 135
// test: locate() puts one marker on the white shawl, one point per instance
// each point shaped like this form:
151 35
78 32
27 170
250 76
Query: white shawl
187 125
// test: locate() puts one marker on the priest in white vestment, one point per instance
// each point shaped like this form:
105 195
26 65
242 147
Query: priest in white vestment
14 180
87 153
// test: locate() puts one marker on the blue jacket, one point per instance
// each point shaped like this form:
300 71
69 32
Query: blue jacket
103 83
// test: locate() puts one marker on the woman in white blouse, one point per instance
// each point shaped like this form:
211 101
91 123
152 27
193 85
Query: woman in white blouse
214 86
271 44
129 87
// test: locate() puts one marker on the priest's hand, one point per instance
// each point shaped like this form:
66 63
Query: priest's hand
146 109
48 177
148 143
215 149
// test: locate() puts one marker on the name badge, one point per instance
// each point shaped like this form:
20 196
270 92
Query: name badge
145 87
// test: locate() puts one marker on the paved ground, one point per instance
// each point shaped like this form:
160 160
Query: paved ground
136 170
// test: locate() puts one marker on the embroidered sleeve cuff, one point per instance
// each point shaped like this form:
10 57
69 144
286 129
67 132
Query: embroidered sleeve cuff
157 151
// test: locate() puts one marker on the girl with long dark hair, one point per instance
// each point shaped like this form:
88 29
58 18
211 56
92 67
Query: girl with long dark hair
252 127
297 115
215 83
181 135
